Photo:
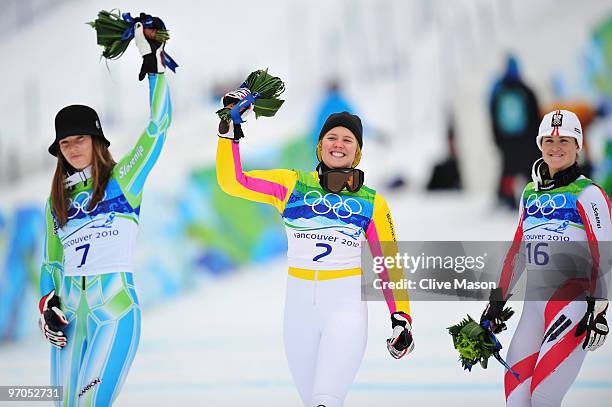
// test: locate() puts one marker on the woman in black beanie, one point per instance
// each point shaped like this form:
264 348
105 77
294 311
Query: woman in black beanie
328 214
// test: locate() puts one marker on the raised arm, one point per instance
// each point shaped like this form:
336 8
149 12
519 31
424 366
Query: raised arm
266 186
133 169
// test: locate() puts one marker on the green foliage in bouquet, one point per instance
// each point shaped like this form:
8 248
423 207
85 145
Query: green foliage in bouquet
475 343
267 87
114 34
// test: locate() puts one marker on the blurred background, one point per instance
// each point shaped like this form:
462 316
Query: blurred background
450 94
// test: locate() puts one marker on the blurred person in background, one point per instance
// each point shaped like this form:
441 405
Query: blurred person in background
558 325
603 169
328 214
89 311
515 115
445 175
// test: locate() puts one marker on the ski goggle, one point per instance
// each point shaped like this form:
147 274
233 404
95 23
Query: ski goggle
335 180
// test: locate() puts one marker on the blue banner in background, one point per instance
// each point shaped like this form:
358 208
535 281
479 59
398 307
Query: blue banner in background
21 239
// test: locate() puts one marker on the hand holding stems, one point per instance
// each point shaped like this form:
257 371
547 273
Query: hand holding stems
150 50
241 102
495 312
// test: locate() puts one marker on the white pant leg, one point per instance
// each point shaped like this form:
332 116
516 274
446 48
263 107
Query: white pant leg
522 354
561 357
301 335
325 335
341 350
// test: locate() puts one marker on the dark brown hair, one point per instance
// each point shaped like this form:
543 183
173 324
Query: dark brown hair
102 164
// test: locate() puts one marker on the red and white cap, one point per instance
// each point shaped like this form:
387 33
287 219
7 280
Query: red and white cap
560 123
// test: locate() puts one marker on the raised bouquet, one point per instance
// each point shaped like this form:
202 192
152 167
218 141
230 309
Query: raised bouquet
263 91
115 30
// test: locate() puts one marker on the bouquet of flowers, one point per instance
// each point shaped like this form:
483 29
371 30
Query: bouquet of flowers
476 342
115 30
264 90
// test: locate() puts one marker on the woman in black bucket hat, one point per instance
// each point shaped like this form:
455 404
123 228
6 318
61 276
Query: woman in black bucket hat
89 310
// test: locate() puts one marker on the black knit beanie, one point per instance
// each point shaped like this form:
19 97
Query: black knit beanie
344 119
76 120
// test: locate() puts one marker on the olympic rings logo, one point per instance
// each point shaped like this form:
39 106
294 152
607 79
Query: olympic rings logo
78 204
545 204
342 208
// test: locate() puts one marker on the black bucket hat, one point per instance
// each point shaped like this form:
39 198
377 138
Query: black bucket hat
76 120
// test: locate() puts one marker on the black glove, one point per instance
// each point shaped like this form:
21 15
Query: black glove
494 312
594 323
52 320
151 50
400 343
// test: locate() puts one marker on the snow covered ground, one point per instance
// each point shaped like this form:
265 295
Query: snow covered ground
221 343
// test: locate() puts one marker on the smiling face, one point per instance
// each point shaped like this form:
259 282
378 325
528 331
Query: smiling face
338 148
559 152
77 150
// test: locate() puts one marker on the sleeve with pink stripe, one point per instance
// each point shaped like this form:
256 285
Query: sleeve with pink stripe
594 208
266 186
382 241
514 263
